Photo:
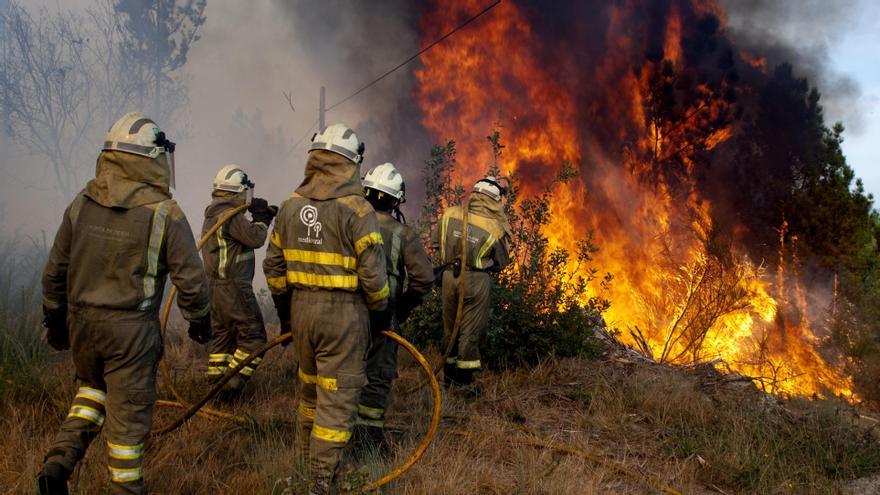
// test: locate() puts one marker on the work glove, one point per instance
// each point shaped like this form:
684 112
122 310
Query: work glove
407 302
282 307
379 322
200 330
55 323
261 212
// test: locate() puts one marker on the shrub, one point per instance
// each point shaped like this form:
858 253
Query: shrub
545 302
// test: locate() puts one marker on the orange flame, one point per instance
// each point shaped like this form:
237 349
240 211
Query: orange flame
652 237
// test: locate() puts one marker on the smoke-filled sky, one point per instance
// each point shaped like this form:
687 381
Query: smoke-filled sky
249 52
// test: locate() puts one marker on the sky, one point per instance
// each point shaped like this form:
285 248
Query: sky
857 54
250 52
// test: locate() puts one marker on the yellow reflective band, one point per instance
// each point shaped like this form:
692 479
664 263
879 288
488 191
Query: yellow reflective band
247 371
156 235
240 354
92 394
370 412
443 225
371 239
468 365
323 281
306 412
377 423
306 378
220 358
277 282
87 413
451 360
490 241
321 381
276 239
327 383
125 452
380 295
319 258
221 268
330 435
118 475
214 370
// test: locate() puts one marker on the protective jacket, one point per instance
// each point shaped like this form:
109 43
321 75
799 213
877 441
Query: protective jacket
326 252
409 271
117 242
488 242
487 250
228 257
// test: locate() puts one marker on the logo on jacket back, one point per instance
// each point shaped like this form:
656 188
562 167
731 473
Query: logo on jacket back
308 215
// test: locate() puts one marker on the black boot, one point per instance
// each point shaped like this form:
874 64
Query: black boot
450 375
53 479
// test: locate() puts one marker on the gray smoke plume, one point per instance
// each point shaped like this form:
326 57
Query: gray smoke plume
803 33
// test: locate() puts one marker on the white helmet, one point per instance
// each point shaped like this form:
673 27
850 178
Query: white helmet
137 134
233 179
489 186
387 179
340 139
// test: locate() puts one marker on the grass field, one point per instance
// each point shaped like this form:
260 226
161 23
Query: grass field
664 424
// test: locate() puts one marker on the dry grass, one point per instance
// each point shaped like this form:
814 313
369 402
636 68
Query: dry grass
653 420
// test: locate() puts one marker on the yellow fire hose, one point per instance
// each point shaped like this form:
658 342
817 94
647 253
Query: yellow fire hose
198 407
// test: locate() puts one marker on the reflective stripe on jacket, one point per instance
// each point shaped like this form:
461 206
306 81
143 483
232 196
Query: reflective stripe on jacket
486 240
331 244
229 253
118 259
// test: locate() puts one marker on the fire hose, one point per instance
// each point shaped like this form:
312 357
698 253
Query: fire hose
198 406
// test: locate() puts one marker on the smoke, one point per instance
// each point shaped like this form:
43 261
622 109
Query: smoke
803 33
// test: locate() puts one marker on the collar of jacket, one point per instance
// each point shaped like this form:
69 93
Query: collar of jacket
125 180
484 206
329 175
225 200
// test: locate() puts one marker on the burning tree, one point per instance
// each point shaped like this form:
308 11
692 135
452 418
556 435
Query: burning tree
673 130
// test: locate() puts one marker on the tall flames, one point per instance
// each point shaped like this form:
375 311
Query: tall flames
637 187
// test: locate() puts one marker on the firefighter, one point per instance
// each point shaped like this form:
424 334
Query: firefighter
487 252
410 277
102 288
229 263
325 268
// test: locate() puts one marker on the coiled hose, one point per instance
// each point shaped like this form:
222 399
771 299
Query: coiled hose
198 406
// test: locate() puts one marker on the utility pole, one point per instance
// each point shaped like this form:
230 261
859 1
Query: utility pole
321 111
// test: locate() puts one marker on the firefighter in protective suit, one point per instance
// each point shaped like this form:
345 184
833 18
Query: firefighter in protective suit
410 277
487 252
325 268
102 288
229 263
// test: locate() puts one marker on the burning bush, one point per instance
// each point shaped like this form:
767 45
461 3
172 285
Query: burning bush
548 301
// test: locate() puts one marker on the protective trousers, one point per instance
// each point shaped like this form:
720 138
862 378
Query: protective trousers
331 329
465 355
116 360
238 327
381 372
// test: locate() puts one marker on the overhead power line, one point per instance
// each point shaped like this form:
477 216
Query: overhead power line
417 55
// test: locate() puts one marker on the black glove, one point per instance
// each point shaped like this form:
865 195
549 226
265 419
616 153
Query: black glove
380 321
407 302
261 211
200 330
282 307
55 323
